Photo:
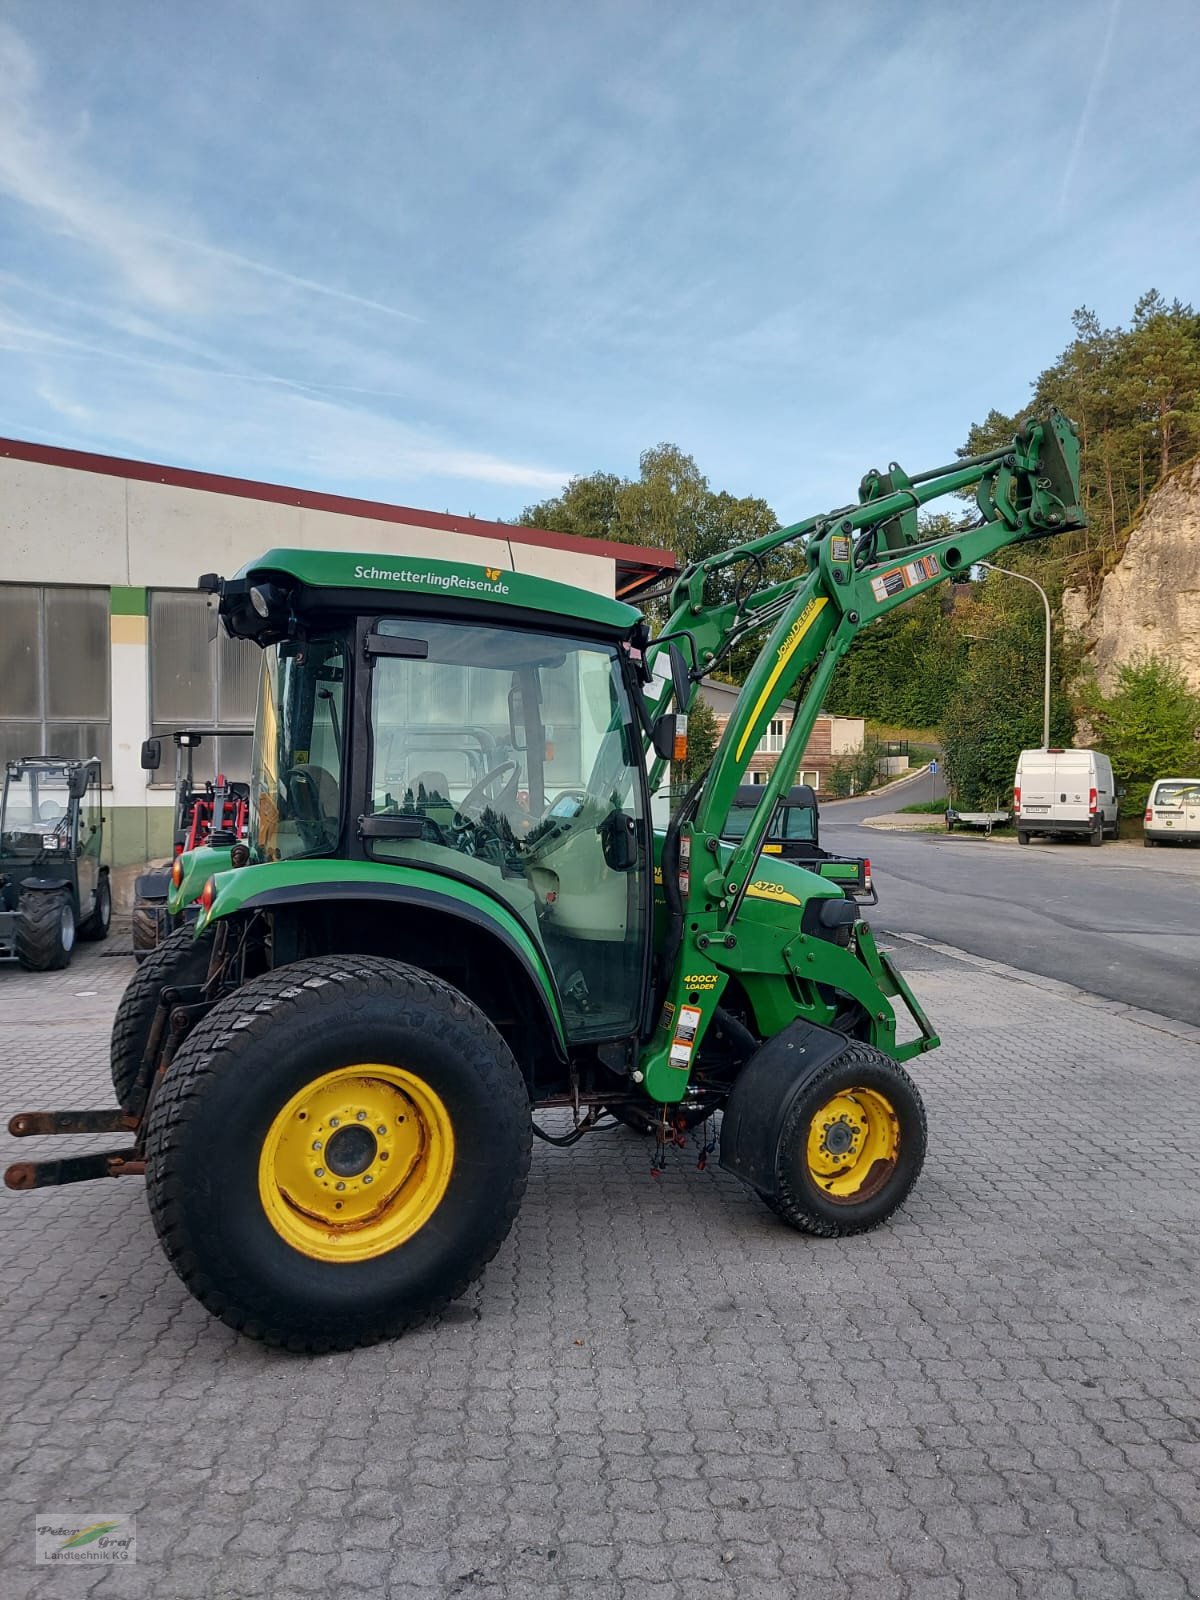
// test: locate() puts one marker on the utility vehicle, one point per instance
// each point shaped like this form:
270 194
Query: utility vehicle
331 1085
205 813
53 885
1065 794
794 835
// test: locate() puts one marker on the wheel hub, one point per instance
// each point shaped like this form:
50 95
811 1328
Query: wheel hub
853 1144
840 1136
350 1151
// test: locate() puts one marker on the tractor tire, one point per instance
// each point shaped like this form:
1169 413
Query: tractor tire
45 933
179 960
151 924
96 926
852 1146
289 1098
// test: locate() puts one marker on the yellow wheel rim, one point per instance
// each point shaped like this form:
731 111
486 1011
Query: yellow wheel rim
356 1163
853 1141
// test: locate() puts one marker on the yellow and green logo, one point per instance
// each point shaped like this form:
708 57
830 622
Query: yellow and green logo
88 1535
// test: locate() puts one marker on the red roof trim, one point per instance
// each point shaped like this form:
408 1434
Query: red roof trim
641 563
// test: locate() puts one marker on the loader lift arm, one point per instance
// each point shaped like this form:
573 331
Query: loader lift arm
859 563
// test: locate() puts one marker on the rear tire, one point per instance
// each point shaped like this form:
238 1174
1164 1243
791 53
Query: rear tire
96 926
45 930
249 1221
151 925
1022 838
1149 843
867 1099
1096 837
180 960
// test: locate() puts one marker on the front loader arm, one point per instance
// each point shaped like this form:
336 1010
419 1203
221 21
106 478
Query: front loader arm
860 563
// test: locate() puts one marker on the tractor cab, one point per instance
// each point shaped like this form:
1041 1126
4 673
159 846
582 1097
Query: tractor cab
498 762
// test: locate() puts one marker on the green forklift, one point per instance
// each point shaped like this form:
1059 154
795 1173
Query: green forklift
409 969
54 887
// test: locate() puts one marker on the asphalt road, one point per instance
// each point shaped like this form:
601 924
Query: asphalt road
1122 921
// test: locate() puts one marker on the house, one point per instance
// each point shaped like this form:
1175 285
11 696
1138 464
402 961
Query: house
831 736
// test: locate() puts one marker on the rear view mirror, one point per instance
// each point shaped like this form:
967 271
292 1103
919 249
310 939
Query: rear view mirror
151 755
681 678
516 719
78 782
669 737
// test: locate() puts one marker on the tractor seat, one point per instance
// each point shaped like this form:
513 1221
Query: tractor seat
435 784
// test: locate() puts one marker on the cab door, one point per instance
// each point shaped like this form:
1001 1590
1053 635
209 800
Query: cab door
89 836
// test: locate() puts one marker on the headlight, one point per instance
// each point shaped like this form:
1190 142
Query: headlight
177 873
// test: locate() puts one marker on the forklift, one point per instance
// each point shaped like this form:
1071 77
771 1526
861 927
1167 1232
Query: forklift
332 1082
54 887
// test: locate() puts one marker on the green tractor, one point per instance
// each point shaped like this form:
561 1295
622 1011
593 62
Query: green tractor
53 885
454 915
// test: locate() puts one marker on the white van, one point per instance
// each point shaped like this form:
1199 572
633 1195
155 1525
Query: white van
1172 810
1065 793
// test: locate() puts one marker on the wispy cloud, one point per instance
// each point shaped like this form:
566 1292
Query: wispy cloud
1089 103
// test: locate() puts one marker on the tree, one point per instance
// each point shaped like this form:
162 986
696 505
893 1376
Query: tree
703 735
1148 728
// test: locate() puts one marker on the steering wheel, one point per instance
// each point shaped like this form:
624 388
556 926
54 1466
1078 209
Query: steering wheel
479 796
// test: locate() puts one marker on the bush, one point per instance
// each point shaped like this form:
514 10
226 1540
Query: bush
1147 727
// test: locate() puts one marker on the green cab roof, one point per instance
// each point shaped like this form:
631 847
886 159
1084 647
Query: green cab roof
393 577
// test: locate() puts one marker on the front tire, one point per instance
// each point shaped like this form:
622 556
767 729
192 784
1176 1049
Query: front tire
852 1145
290 1098
45 930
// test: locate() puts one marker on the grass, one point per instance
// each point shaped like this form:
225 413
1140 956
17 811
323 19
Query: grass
932 807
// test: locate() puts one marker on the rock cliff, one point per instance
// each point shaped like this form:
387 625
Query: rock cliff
1149 604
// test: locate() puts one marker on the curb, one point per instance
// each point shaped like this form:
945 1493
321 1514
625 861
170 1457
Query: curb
1186 1031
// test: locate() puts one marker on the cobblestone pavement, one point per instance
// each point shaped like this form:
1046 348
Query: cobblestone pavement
657 1390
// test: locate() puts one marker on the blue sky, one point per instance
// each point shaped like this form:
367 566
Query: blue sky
450 254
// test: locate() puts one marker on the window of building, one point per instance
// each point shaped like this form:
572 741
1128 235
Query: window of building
813 779
54 672
200 680
772 741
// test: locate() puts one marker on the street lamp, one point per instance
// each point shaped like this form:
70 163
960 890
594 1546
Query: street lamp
1009 573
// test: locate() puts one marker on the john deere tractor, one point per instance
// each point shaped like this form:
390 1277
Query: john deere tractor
456 913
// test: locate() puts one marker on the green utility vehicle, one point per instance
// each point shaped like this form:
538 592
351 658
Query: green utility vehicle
794 835
53 886
332 1085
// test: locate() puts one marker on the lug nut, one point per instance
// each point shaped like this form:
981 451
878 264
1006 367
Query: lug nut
361 1116
334 1122
381 1129
316 1144
341 1186
320 1172
367 1178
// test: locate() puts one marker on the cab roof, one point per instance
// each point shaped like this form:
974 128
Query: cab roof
403 577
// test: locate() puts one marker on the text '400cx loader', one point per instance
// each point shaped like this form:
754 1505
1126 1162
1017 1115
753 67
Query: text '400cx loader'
453 911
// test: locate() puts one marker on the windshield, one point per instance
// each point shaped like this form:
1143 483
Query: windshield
37 813
297 767
791 822
1185 792
513 756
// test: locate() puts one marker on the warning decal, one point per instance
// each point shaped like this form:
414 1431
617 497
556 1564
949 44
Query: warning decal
901 578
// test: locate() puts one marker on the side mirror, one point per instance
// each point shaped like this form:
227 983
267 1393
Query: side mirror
77 784
151 755
681 678
663 736
1122 791
618 840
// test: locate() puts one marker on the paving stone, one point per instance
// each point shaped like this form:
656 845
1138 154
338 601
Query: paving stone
657 1391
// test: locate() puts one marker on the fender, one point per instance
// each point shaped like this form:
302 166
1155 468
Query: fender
44 883
259 888
762 1095
198 867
